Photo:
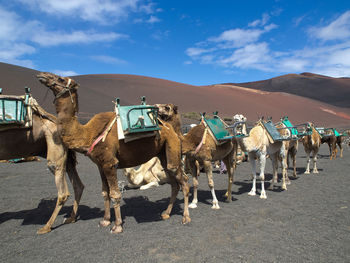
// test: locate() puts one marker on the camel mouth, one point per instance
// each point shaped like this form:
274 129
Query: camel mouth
42 79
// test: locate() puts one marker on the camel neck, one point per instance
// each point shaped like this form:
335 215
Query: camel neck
70 129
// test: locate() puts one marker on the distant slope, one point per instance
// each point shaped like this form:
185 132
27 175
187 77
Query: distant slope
334 91
97 93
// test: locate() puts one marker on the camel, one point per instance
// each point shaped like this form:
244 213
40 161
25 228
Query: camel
333 140
258 145
110 153
311 144
148 175
290 146
199 146
42 139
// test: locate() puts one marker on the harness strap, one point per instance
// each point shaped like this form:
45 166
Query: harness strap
202 141
102 137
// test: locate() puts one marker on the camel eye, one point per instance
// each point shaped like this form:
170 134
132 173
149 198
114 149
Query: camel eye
167 108
61 80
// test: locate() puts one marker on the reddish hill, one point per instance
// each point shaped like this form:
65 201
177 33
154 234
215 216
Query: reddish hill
334 91
97 92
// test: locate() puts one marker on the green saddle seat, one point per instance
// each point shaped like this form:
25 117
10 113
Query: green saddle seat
218 128
273 132
13 109
138 118
289 125
336 133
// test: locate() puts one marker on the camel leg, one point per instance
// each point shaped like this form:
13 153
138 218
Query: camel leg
149 185
262 175
330 150
78 186
285 179
193 169
56 162
307 171
253 166
315 171
106 221
274 161
195 192
208 171
62 196
293 152
228 160
341 149
182 180
175 187
109 170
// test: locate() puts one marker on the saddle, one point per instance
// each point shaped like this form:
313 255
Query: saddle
136 121
15 111
219 129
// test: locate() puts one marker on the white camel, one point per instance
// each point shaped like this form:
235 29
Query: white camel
149 174
258 145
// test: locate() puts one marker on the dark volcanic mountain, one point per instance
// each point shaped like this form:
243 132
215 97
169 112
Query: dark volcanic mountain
97 93
334 91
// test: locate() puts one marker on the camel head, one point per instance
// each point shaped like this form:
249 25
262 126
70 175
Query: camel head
240 121
167 111
59 85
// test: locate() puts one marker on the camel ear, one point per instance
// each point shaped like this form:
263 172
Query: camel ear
175 109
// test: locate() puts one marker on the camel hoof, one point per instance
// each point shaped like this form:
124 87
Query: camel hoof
284 187
228 199
315 172
116 229
215 206
192 205
165 216
263 196
186 220
68 220
104 223
252 193
307 172
43 230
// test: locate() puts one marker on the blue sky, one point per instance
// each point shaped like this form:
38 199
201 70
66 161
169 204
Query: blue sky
194 42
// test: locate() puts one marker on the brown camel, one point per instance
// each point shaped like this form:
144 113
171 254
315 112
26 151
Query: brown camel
311 144
290 147
198 145
333 140
42 139
111 153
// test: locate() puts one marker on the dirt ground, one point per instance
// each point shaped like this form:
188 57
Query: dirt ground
310 222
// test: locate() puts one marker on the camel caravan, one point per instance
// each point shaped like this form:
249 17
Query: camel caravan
112 140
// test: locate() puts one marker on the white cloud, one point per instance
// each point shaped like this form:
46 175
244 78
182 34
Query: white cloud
194 51
65 73
102 11
338 29
238 37
242 48
152 20
109 59
249 56
46 38
260 22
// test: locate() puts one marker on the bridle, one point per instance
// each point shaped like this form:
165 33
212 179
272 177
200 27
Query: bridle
64 90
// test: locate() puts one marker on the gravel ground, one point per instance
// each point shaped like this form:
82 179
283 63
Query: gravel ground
310 222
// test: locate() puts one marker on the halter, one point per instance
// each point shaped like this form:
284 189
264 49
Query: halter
64 90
